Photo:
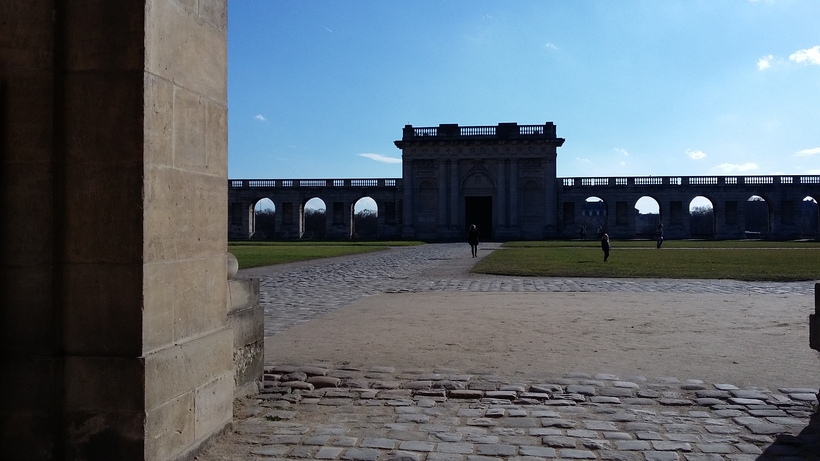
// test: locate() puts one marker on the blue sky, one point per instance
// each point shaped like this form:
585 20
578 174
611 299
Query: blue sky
321 89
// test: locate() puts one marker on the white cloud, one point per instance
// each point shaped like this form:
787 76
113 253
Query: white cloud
621 151
735 167
808 56
765 62
812 171
550 46
807 152
695 154
381 158
583 160
261 118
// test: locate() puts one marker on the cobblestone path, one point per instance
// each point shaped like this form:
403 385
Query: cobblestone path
384 413
292 294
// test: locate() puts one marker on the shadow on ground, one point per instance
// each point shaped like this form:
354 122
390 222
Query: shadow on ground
803 446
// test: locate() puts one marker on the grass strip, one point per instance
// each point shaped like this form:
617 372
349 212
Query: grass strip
256 254
737 260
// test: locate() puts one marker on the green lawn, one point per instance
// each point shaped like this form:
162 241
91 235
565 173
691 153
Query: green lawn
739 260
255 254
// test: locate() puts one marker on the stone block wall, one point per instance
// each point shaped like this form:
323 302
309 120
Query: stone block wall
246 318
114 335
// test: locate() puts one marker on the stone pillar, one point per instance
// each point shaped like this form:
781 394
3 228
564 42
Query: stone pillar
114 332
408 209
514 199
443 215
455 200
503 211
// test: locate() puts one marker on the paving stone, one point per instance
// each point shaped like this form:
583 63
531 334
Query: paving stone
632 445
616 392
661 456
342 441
303 452
445 457
403 456
387 444
599 426
360 454
466 394
581 389
715 447
703 457
329 453
617 435
558 422
417 446
648 435
539 452
447 436
621 456
576 454
666 445
496 449
603 399
559 441
596 444
749 448
448 447
482 458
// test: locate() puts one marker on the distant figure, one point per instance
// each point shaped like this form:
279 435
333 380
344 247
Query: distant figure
659 235
605 245
472 239
583 232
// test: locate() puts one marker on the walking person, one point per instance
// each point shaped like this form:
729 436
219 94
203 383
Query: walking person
605 245
472 239
659 235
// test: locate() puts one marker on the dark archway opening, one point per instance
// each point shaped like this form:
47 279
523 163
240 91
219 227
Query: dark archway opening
479 211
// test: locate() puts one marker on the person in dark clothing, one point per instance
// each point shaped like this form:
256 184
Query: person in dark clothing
659 235
472 239
605 245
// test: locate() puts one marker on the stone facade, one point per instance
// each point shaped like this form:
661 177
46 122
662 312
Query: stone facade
115 335
503 179
500 178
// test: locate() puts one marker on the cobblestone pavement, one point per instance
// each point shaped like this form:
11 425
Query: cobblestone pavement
292 294
341 412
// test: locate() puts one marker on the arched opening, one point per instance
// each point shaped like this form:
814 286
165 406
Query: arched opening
313 223
757 218
809 218
647 217
701 218
365 219
593 217
264 220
